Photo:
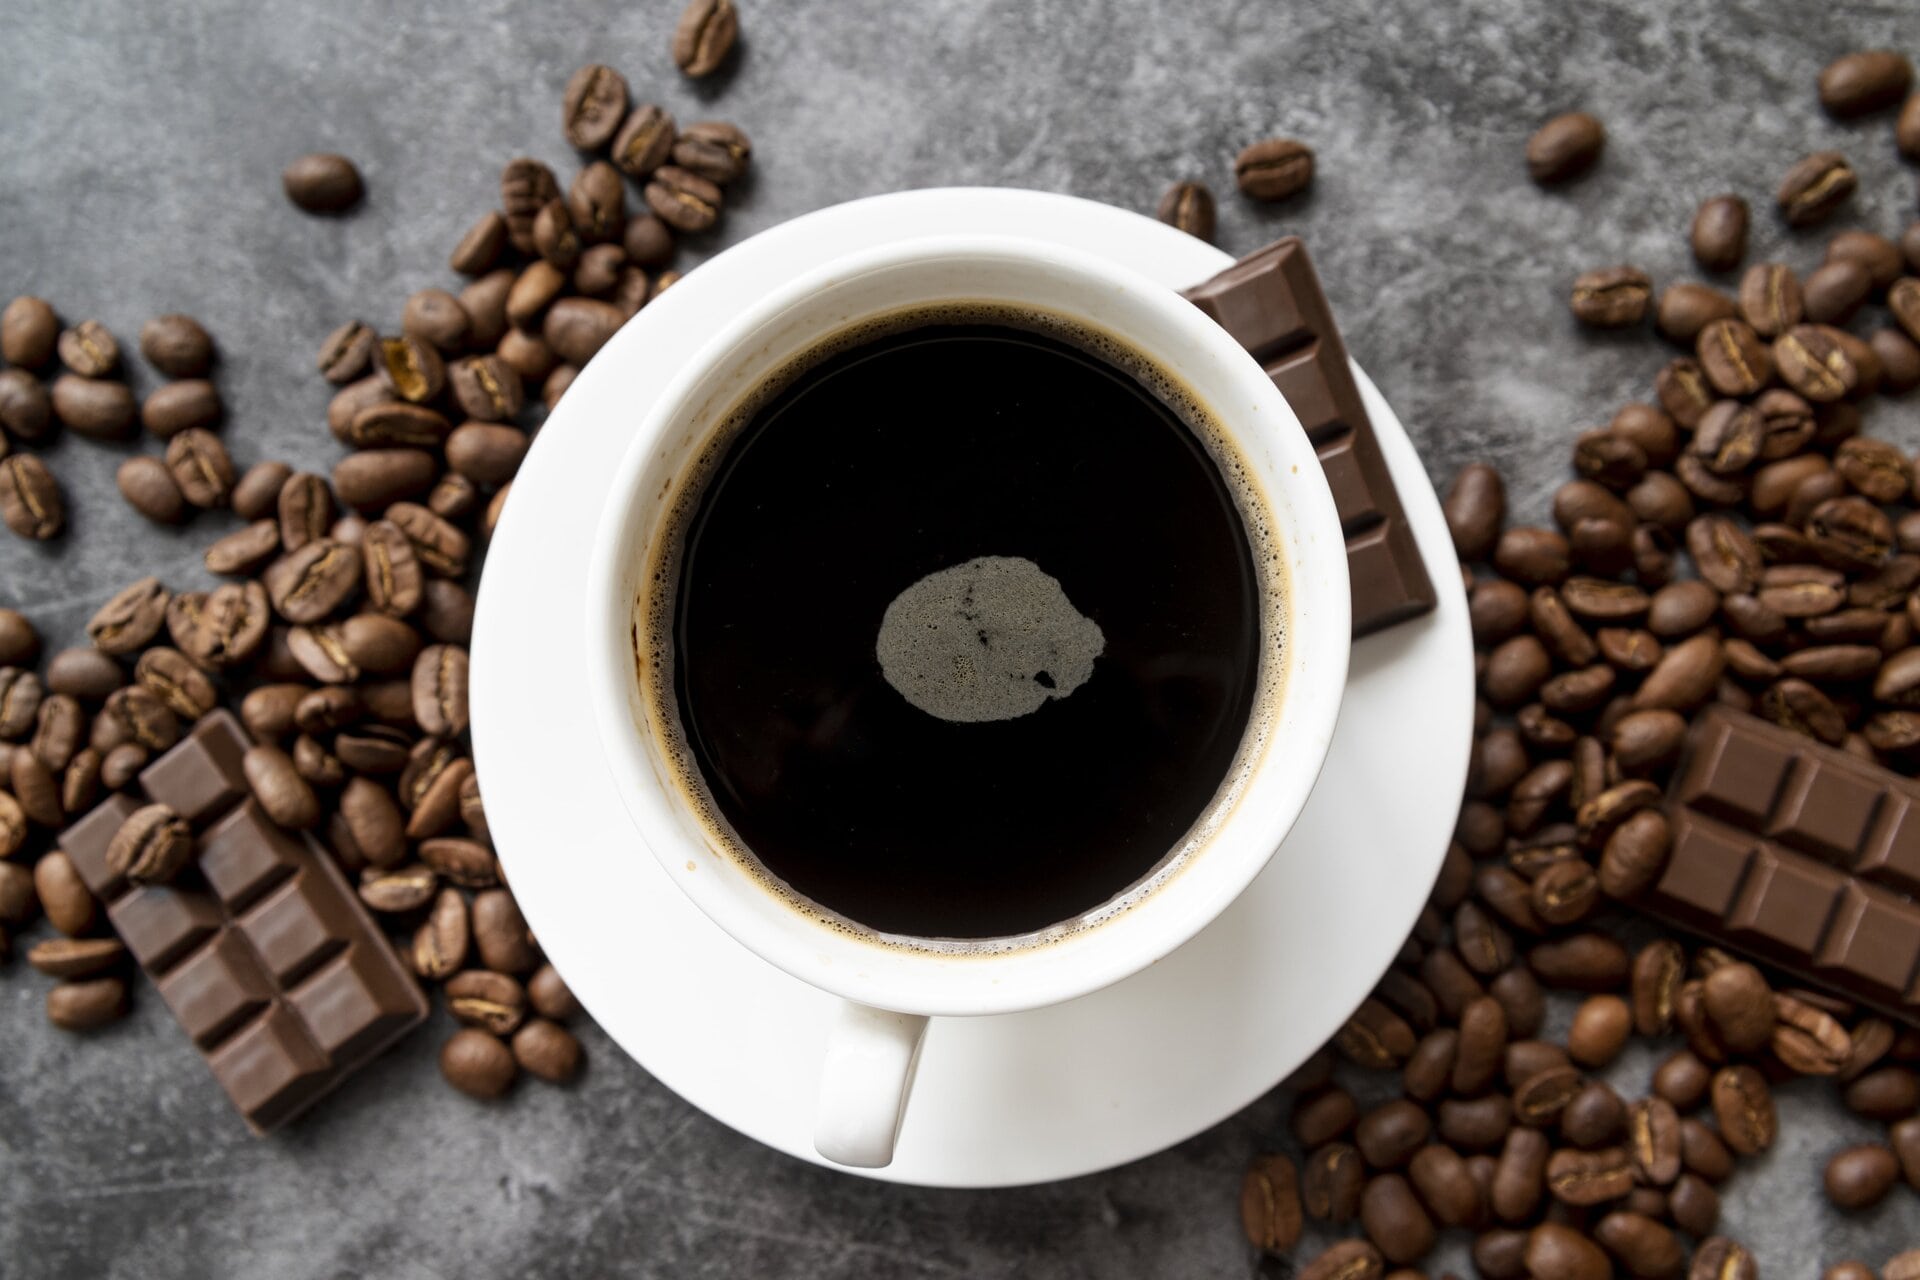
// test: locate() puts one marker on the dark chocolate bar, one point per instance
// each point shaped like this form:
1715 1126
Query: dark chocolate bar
1272 304
1799 855
260 947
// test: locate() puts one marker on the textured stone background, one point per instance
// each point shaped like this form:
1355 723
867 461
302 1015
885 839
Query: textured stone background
139 161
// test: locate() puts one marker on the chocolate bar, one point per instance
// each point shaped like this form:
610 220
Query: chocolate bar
1798 854
260 947
1272 304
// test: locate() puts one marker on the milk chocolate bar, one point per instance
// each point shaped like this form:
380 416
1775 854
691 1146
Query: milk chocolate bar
1799 855
1272 304
260 947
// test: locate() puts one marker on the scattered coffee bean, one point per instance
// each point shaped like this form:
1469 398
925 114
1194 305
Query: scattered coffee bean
477 1063
323 183
1855 84
1814 188
1269 1198
1564 148
1860 1177
704 36
1274 169
1186 205
1612 297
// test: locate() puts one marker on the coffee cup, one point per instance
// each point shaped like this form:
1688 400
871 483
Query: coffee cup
889 984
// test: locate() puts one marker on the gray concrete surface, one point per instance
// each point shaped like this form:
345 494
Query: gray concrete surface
140 146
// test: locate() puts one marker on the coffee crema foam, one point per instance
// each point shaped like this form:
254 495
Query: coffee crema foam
654 612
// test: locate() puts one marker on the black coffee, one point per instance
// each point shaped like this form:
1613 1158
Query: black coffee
967 631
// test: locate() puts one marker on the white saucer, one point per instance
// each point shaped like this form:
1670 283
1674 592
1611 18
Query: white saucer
999 1101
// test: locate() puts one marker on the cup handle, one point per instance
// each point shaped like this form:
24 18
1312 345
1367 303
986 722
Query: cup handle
872 1055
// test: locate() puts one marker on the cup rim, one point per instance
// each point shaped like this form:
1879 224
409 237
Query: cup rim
859 968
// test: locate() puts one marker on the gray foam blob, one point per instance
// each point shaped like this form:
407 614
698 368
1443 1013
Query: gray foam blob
991 639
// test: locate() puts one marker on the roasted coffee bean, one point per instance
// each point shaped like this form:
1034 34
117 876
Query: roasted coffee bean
144 718
29 332
437 545
245 549
151 846
501 934
1609 459
267 710
1600 1029
1808 1041
1270 1203
435 316
643 143
76 957
89 349
477 1063
1477 1124
1500 1254
308 584
1332 1182
466 863
1475 509
1730 438
87 1005
1429 1068
1718 1258
1273 169
492 1001
576 328
96 409
486 453
1540 1099
1611 297
1814 188
554 237
26 410
453 495
83 673
346 354
149 488
1565 892
1869 1042
526 186
375 822
398 891
1888 1093
351 399
174 678
1743 1106
1702 1151
1186 205
119 765
593 105
486 387
281 791
35 788
1719 233
599 271
316 765
392 571
1653 1140
1836 290
1864 81
1682 608
323 183
480 248
1440 1177
1584 1178
441 942
1581 962
485 302
327 708
1497 610
21 693
549 1051
1899 361
704 36
177 406
1349 1260
1375 1037
30 501
410 367
1860 1177
1686 308
1812 361
1555 626
1644 1246
1770 298
1573 692
1563 1253
1693 1205
1394 1220
685 201
1740 1004
1903 300
220 628
1733 358
1684 677
1564 148
200 467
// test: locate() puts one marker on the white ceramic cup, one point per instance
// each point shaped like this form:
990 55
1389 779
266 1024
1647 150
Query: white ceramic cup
890 990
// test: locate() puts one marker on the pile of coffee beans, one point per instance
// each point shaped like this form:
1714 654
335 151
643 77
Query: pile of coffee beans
340 636
1736 541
